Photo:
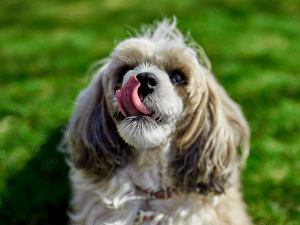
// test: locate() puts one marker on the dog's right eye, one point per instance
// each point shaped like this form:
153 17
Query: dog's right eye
121 73
177 77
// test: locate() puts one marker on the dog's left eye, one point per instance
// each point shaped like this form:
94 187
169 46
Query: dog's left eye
121 72
177 77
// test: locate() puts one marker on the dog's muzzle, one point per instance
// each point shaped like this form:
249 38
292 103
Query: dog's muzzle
130 96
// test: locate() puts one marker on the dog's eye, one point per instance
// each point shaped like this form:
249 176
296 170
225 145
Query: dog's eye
122 71
177 77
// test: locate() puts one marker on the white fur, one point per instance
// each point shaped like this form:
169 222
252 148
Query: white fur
117 202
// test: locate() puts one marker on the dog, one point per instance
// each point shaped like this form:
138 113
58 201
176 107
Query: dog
155 139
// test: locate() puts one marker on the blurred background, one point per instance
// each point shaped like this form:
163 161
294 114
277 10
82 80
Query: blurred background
46 47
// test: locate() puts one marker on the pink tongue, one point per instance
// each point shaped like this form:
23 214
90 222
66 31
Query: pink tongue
128 99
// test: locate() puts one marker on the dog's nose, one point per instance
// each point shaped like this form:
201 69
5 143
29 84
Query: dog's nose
148 82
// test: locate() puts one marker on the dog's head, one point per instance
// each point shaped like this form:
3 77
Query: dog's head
156 89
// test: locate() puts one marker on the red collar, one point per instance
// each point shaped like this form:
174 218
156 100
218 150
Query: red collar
163 194
149 215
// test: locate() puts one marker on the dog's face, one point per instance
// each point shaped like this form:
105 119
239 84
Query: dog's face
166 76
154 91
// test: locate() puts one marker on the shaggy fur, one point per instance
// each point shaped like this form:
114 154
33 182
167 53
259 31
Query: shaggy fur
189 145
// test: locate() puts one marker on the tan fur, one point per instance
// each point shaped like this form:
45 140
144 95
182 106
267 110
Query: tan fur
193 150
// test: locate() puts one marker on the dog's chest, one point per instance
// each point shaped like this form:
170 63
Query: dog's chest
151 170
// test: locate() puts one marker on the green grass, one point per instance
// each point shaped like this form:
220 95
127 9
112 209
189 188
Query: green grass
47 47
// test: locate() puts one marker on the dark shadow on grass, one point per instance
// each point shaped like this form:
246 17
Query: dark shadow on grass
39 194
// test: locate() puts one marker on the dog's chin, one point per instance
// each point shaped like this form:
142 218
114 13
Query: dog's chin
143 132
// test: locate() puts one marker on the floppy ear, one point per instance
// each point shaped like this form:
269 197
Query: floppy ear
92 138
208 158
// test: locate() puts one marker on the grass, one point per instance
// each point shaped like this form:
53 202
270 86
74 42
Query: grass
47 47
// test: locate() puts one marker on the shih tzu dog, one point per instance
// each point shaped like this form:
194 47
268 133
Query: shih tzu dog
155 139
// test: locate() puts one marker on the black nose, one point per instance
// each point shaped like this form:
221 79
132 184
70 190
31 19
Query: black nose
148 83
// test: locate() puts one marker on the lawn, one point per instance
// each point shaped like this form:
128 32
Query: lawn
46 47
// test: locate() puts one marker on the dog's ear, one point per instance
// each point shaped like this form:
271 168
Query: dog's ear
91 136
208 144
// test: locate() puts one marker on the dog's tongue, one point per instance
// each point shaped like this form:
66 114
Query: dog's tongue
128 99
